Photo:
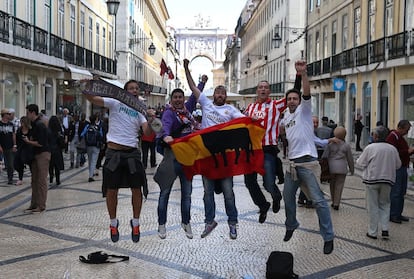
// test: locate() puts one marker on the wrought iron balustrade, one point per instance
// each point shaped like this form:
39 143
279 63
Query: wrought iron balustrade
22 33
4 27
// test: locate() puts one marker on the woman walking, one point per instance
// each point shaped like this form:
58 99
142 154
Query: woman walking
24 153
57 143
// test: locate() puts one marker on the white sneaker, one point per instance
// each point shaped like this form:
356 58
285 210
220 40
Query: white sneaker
187 229
162 231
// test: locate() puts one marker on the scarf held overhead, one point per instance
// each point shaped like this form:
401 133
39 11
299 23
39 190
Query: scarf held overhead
105 89
223 150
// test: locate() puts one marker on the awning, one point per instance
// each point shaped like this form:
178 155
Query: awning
113 82
79 74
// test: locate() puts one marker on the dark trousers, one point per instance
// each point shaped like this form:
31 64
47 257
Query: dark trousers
148 146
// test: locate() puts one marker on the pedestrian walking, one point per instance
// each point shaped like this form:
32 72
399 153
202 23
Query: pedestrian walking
56 143
379 161
340 158
399 190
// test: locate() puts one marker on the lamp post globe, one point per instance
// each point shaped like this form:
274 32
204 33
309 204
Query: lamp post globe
112 7
151 49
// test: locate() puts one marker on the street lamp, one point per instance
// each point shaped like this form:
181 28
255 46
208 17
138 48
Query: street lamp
112 7
277 39
113 10
151 48
249 62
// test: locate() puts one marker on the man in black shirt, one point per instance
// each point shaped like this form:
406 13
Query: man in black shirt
40 164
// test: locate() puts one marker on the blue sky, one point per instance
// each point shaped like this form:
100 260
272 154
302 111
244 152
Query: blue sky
222 13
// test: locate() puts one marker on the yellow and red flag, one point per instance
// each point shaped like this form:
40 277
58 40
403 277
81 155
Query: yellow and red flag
223 150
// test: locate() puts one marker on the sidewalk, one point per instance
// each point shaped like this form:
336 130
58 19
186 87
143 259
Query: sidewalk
48 245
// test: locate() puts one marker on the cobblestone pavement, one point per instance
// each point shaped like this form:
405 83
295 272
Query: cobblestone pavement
48 245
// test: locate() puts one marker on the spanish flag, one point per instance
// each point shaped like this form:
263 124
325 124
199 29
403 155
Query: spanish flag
223 150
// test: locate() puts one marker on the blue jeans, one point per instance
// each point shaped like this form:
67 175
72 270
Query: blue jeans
93 152
322 208
268 182
229 199
186 189
398 192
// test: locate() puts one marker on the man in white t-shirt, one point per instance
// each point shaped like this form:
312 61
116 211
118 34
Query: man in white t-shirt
122 167
304 165
216 112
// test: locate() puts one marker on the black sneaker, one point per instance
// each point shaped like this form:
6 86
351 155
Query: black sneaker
328 247
135 234
91 179
385 235
288 235
114 232
371 236
276 206
263 213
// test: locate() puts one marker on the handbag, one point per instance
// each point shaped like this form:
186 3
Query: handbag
81 146
325 173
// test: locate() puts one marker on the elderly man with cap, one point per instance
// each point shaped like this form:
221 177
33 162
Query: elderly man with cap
7 143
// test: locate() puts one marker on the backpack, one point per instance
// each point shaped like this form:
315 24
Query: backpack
280 266
101 257
92 136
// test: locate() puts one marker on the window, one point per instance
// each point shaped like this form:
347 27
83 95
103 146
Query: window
110 47
357 26
317 46
47 16
389 18
72 24
104 41
97 37
61 18
310 5
408 102
29 11
344 31
90 31
333 43
10 6
371 20
310 48
325 41
82 29
410 14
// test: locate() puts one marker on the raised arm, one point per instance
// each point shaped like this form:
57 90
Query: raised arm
190 80
301 69
96 100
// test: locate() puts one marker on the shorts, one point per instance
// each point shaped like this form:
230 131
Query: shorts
128 171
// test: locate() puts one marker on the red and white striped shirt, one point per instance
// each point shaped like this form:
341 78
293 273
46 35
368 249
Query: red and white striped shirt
269 111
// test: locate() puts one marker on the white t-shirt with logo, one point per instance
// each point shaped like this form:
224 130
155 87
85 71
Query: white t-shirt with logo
299 131
213 115
124 123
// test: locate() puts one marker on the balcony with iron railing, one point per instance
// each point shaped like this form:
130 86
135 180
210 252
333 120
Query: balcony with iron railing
22 34
388 48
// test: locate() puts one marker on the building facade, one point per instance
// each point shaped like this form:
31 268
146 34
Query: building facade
141 25
361 61
47 47
272 38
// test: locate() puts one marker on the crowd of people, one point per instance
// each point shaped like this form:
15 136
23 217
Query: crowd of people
125 137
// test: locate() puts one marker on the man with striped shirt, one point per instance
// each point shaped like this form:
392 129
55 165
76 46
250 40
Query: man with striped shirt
267 111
